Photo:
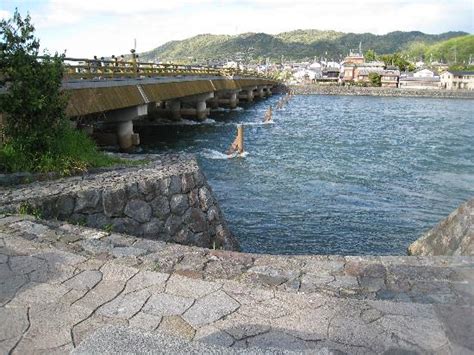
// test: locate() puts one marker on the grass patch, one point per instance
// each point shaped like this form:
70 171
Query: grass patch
70 152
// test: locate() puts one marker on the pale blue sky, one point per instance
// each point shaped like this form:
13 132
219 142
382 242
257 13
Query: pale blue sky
105 27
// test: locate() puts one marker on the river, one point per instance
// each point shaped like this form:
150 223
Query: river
334 174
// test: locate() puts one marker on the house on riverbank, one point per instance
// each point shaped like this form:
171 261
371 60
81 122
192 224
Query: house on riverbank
457 80
422 79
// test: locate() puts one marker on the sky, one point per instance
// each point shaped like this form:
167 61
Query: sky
104 27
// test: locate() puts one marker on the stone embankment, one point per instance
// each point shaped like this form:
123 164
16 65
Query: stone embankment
454 235
168 199
375 91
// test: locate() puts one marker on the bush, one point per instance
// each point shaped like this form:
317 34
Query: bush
69 152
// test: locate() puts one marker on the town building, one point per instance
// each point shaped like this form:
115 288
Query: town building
424 73
420 83
389 78
457 80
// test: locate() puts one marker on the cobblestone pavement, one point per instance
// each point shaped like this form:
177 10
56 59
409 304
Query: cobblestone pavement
60 283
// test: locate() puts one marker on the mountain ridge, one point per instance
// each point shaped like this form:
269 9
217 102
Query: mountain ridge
292 45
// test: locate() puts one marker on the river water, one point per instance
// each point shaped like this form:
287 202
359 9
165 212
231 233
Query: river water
334 174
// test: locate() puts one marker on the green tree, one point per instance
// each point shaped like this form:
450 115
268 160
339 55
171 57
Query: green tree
375 79
37 131
370 56
33 102
397 60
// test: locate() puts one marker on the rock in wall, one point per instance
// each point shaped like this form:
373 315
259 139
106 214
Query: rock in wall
168 199
454 235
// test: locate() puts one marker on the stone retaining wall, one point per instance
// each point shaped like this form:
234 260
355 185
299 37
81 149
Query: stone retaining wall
168 199
454 235
374 91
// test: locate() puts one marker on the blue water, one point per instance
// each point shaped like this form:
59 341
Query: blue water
335 174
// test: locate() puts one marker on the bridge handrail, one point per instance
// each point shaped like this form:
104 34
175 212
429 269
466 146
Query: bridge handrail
85 68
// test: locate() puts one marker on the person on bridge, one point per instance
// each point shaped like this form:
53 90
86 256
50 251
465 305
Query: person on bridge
94 64
121 63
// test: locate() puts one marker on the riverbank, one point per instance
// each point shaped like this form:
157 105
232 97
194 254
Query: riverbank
167 199
312 89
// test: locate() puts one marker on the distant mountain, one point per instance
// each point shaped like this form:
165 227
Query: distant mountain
294 45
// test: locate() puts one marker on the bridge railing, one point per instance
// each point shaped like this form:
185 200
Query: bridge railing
76 69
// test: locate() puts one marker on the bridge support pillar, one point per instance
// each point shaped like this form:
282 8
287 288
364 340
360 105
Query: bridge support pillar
233 100
123 121
175 108
268 90
201 110
246 94
125 134
259 92
225 98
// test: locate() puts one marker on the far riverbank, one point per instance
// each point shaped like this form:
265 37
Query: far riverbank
312 89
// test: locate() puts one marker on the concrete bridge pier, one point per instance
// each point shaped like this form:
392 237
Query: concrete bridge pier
213 103
226 98
123 121
233 100
259 92
247 94
268 90
200 112
175 107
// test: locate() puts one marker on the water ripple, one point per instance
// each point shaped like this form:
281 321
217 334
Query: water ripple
337 175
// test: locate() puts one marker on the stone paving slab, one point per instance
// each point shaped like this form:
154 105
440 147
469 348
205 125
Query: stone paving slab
113 340
61 294
430 280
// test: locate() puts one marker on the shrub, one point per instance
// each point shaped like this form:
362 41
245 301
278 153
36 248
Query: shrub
375 79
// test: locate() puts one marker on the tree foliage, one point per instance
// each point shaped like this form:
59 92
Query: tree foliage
375 79
397 60
33 102
454 51
38 135
370 56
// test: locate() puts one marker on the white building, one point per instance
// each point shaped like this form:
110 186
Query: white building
316 69
457 80
304 75
424 73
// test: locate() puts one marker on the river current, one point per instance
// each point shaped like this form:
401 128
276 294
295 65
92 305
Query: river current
334 174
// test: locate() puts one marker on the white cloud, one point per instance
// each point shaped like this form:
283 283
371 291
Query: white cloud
4 14
109 26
